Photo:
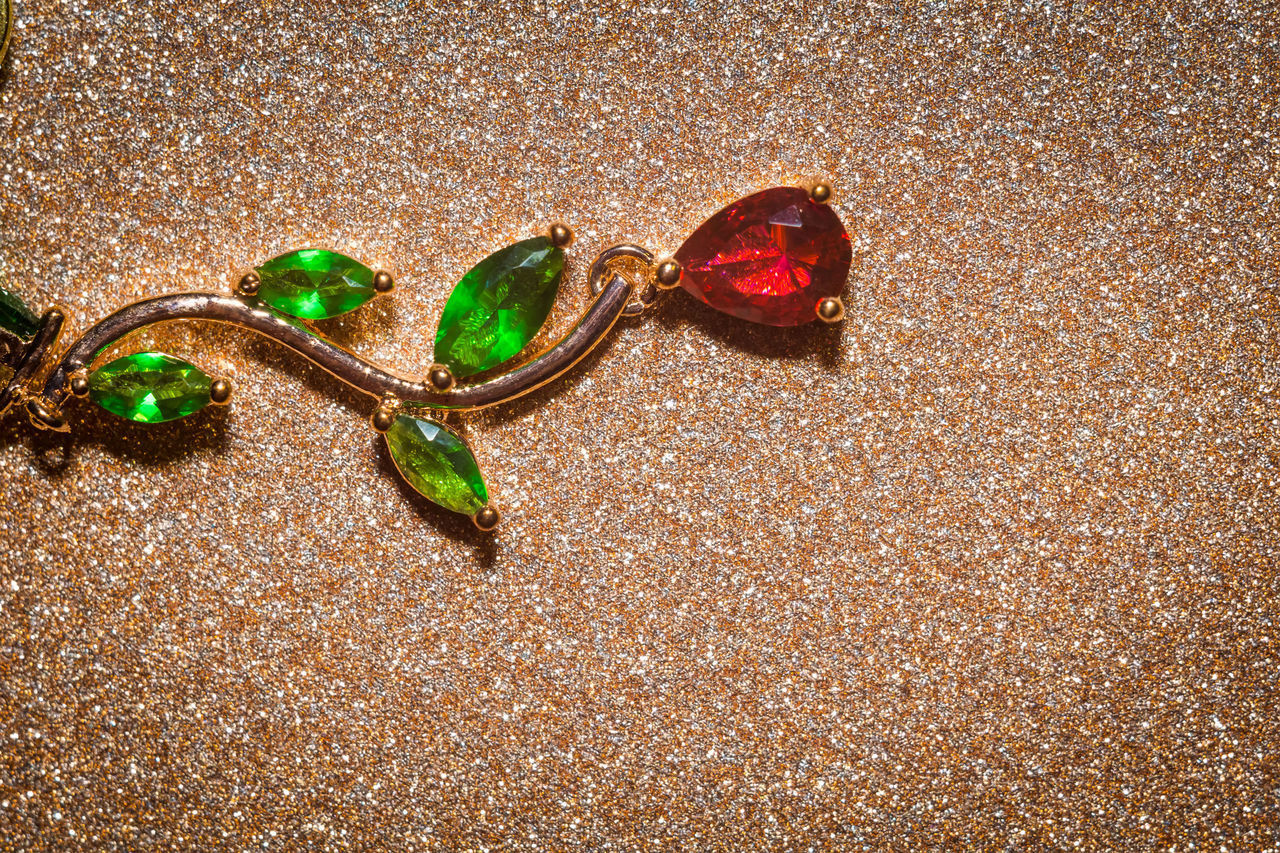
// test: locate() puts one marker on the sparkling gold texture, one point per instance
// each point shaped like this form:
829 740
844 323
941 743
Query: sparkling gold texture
989 564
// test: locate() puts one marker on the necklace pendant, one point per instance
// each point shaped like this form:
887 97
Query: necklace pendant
778 257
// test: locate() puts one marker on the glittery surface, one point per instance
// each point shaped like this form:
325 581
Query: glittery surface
991 565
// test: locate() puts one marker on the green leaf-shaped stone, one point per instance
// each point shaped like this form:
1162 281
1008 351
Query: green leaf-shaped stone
149 387
499 306
314 284
16 317
437 464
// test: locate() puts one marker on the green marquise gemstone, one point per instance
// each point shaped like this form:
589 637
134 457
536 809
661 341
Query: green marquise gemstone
149 387
498 307
16 317
437 464
314 284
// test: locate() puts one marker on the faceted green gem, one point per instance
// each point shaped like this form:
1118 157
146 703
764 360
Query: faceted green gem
499 306
437 464
314 284
149 387
16 317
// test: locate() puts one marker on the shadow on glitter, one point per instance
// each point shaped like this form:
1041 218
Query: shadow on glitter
782 343
794 343
150 444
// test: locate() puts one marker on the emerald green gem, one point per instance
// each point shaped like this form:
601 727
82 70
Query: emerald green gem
314 284
149 387
499 306
437 464
16 317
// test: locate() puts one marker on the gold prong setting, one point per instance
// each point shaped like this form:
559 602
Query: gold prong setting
560 235
386 413
486 518
831 310
78 382
668 274
248 284
441 378
820 192
383 282
220 391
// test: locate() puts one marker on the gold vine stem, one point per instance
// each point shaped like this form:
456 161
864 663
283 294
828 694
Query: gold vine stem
45 411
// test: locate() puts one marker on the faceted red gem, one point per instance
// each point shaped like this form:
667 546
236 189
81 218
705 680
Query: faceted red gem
768 258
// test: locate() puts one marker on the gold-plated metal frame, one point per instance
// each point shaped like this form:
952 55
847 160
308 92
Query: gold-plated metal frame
250 313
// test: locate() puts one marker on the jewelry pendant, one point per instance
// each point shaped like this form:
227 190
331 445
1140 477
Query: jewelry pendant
779 257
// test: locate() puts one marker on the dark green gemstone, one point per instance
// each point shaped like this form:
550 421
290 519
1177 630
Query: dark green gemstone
314 284
16 317
149 387
498 307
437 464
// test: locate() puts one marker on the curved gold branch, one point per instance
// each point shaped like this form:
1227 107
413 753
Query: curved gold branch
376 381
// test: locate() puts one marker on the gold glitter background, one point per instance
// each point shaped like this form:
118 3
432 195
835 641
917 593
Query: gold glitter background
991 565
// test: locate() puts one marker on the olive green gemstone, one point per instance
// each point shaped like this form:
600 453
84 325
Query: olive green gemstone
314 284
16 317
149 387
437 464
498 307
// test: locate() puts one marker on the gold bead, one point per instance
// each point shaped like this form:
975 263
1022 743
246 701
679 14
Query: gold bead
79 383
383 417
440 378
561 235
486 518
220 392
831 310
668 274
820 192
383 282
248 285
